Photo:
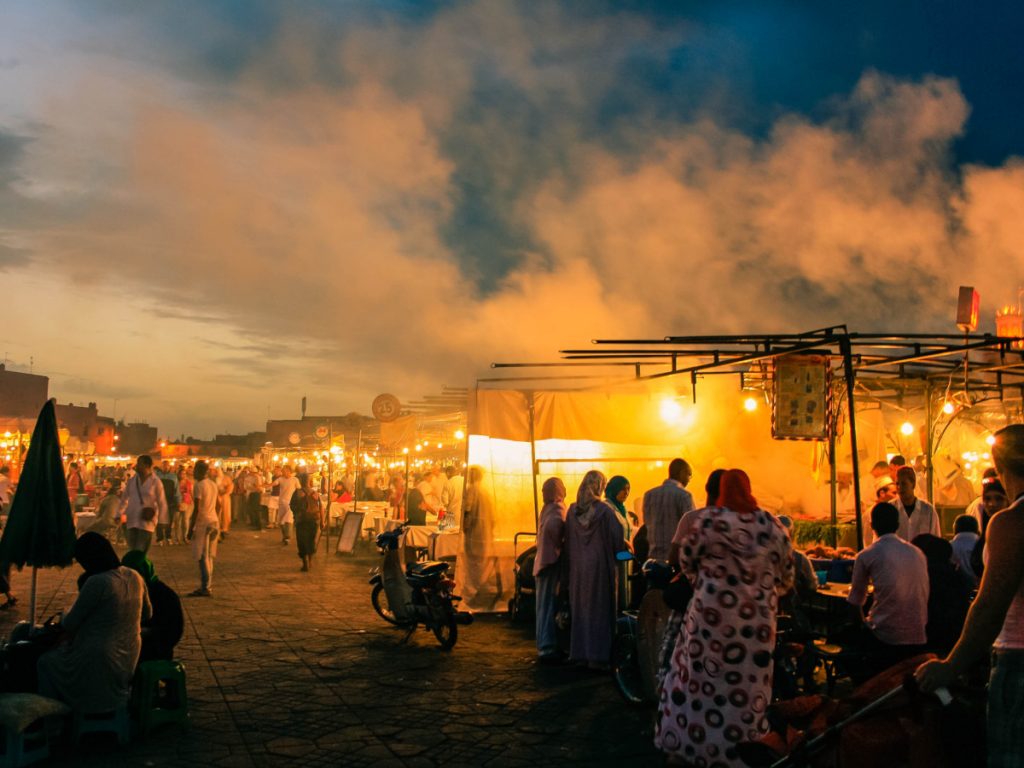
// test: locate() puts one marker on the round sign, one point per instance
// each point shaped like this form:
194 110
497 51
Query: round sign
321 432
294 438
386 407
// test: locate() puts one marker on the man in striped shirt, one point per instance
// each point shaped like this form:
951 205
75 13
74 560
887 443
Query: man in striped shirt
664 506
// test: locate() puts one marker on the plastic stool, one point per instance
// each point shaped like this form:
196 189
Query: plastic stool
23 717
836 661
160 694
115 722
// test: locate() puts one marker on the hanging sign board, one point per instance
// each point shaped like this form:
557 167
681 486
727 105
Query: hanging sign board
800 406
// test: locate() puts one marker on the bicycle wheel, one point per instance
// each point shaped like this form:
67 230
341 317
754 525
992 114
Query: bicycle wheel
379 598
626 667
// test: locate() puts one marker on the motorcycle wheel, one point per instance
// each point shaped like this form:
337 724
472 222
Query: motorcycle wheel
626 667
379 598
446 631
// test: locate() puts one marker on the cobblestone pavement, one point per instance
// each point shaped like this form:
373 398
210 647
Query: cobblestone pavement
288 668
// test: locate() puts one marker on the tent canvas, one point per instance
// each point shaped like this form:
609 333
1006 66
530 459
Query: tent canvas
632 431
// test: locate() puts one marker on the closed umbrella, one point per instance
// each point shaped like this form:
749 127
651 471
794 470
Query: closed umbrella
40 527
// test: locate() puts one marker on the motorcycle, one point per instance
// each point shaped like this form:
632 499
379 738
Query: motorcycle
638 637
421 594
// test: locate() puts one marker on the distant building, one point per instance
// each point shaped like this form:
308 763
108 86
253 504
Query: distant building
22 395
314 431
136 438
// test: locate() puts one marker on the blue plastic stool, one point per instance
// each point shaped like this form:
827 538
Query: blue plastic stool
115 722
160 695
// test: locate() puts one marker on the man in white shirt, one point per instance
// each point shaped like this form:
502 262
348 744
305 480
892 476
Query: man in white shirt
664 506
142 503
287 485
203 529
916 516
898 571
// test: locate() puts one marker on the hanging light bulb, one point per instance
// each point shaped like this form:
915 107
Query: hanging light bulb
907 428
750 404
947 408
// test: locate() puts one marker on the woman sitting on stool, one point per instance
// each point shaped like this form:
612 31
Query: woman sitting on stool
92 668
164 628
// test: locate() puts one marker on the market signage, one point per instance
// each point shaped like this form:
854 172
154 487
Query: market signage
800 406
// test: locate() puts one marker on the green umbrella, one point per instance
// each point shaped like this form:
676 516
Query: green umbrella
40 528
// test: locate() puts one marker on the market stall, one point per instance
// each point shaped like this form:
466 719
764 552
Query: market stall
777 406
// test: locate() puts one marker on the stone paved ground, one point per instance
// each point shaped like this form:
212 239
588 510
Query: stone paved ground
294 669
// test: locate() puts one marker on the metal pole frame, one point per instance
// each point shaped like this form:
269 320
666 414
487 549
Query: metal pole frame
531 407
845 349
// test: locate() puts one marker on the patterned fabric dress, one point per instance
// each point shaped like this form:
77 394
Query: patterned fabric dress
719 684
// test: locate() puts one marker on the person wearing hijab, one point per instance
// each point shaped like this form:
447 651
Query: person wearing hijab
165 627
548 568
92 671
616 494
593 536
719 684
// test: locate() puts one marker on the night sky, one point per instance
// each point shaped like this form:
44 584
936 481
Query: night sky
209 210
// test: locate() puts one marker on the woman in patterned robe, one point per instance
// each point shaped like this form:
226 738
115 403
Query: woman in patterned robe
719 685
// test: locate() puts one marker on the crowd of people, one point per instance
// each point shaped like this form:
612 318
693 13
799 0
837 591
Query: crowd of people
912 591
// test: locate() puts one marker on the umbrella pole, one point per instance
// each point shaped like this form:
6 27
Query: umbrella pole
32 597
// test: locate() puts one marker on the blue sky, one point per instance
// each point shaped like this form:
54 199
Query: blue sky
235 204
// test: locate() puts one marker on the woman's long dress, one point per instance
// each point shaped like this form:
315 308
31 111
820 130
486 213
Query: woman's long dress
591 541
93 672
719 684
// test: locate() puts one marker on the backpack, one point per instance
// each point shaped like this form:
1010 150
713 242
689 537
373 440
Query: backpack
305 508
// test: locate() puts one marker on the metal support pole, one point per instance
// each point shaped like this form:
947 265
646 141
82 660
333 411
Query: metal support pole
832 485
930 439
846 349
533 460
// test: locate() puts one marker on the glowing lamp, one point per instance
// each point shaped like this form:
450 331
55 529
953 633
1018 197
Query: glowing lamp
419 447
907 428
991 439
405 450
947 408
460 435
750 404
670 410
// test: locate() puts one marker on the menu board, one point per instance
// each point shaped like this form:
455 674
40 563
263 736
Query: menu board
800 405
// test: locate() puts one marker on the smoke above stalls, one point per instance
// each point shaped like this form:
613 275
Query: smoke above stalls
396 204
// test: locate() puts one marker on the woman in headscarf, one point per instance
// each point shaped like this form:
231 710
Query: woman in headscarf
593 536
719 684
616 494
164 628
92 672
548 567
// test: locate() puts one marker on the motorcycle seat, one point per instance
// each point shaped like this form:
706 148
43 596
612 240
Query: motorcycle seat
429 568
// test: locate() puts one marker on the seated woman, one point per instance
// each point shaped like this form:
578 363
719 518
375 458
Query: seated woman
91 670
164 628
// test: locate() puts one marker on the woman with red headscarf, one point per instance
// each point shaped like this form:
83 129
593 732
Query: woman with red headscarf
718 687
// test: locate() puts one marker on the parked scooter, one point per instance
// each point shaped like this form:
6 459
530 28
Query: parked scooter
421 594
